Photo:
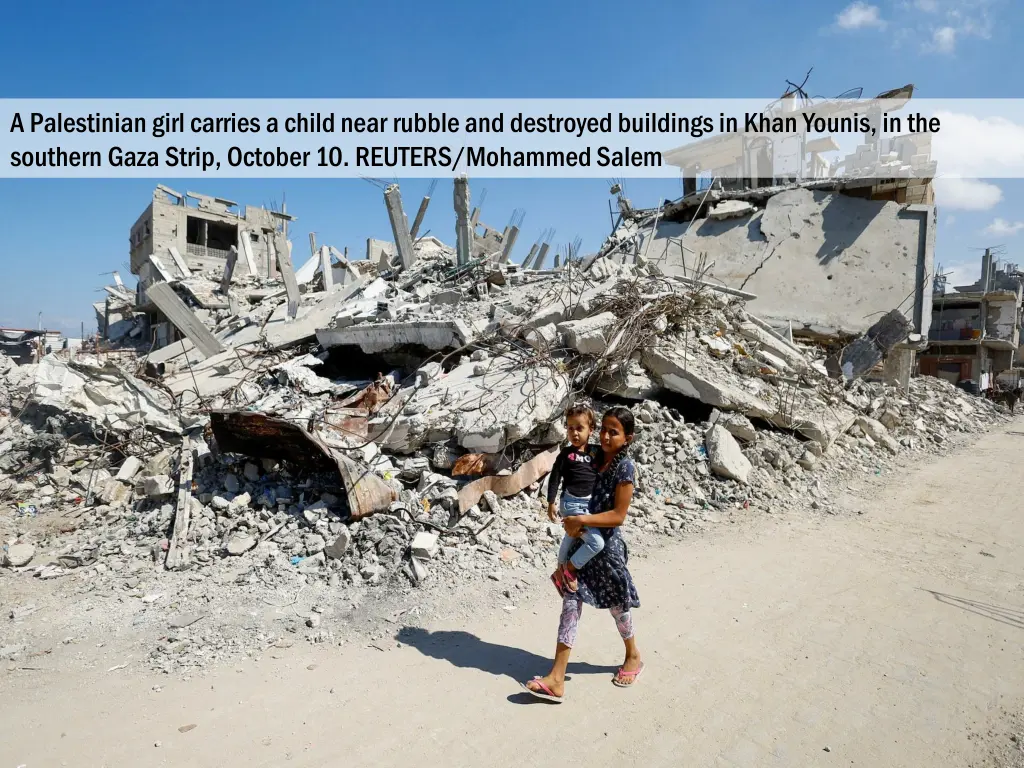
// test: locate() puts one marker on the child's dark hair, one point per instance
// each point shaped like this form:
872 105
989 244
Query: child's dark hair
582 410
625 417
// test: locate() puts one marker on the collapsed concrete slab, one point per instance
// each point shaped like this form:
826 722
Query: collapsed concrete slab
685 369
104 394
729 209
589 336
484 405
184 319
374 338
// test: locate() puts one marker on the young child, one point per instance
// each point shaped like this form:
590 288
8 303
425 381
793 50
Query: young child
575 470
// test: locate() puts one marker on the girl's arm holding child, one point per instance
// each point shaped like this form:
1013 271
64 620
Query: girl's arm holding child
613 518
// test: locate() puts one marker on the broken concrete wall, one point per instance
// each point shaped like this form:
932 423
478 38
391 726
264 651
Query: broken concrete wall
485 404
1002 319
828 262
682 366
204 242
102 393
381 337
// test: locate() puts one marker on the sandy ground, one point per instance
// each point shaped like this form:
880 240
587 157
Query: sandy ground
890 635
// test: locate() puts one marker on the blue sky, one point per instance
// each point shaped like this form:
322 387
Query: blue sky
59 236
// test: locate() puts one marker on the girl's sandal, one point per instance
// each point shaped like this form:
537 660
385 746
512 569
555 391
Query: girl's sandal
544 692
623 675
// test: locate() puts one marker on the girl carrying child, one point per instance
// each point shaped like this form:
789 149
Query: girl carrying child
604 581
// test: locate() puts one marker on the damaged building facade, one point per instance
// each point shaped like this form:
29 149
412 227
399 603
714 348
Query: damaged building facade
822 257
186 237
975 334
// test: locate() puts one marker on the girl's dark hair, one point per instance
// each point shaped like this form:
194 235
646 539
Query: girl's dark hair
624 416
582 410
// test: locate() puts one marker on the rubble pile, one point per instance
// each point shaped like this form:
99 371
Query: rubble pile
281 462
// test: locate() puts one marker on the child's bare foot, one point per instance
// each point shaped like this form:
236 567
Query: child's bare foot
558 580
569 581
553 687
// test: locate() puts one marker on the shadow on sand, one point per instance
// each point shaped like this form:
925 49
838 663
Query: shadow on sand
467 651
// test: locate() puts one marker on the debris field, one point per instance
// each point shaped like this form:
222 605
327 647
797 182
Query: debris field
358 427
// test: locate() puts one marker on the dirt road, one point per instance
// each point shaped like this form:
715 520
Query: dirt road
887 638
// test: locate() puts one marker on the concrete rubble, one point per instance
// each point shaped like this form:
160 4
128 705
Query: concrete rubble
321 448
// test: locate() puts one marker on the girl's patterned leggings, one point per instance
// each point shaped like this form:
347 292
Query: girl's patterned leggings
572 609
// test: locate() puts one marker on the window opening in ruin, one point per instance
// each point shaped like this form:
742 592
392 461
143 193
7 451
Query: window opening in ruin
212 234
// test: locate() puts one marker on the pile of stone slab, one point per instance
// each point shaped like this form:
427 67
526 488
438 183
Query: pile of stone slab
265 440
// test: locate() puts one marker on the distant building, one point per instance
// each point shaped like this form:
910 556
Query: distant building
897 168
25 345
975 332
187 239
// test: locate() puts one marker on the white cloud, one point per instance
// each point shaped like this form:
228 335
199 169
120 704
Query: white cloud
963 19
1003 228
937 26
944 40
859 15
952 192
971 147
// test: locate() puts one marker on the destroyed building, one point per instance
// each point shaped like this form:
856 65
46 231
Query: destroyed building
392 420
817 253
975 335
754 158
24 345
189 237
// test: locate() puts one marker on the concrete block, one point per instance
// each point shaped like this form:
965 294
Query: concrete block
739 426
424 545
114 493
129 469
18 555
877 432
898 367
541 338
631 383
420 572
725 456
337 548
201 451
158 485
728 209
590 335
240 502
716 345
240 543
768 343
